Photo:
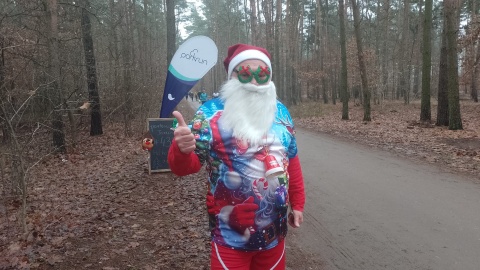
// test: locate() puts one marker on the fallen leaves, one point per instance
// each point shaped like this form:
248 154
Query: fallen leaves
99 209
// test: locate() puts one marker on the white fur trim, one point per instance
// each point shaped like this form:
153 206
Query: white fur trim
245 55
225 212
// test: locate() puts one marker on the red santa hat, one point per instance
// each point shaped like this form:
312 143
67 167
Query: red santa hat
241 52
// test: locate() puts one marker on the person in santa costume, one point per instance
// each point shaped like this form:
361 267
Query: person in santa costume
246 139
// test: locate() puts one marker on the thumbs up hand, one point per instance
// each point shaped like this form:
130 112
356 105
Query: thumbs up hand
183 135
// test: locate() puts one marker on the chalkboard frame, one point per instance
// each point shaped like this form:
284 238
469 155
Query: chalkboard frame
157 144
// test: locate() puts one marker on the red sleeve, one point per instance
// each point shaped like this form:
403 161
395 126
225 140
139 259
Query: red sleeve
296 188
182 164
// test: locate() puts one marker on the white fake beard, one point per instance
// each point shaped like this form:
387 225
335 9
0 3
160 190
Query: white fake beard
249 109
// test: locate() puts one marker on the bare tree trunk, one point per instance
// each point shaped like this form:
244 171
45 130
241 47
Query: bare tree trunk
147 61
127 69
90 65
277 52
361 63
425 111
317 56
140 26
260 38
299 49
293 18
475 76
415 59
476 57
268 13
442 107
323 44
403 86
384 50
253 22
54 72
451 17
171 34
326 56
333 84
344 94
289 53
114 46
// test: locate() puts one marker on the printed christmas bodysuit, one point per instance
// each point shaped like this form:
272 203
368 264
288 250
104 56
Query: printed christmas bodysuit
237 179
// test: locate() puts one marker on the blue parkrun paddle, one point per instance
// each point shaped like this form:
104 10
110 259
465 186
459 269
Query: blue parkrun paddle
193 59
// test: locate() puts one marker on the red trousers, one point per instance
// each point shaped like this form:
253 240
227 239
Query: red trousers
223 258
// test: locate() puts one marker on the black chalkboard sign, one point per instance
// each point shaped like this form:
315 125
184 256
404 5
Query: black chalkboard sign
162 133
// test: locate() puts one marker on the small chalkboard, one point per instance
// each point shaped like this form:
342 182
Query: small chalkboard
162 133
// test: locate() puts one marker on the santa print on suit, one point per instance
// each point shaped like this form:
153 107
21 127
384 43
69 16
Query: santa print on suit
246 138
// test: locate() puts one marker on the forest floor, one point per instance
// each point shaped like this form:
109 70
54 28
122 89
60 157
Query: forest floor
98 208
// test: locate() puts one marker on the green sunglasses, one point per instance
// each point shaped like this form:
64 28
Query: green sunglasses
246 74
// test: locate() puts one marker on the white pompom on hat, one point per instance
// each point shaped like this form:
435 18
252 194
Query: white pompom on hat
241 52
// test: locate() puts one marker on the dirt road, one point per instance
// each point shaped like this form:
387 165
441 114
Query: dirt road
371 210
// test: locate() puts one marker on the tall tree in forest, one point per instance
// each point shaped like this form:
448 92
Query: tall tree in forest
475 75
384 58
361 63
277 63
322 57
417 30
268 6
425 109
293 18
343 48
442 96
452 22
91 69
171 30
404 84
317 51
55 90
127 58
113 47
289 51
327 59
476 56
253 22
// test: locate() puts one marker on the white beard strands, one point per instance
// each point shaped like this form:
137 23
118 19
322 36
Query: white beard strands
249 109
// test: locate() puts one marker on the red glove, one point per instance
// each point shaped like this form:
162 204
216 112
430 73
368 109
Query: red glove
212 208
243 215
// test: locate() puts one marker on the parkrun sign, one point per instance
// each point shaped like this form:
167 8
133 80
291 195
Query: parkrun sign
191 56
195 57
